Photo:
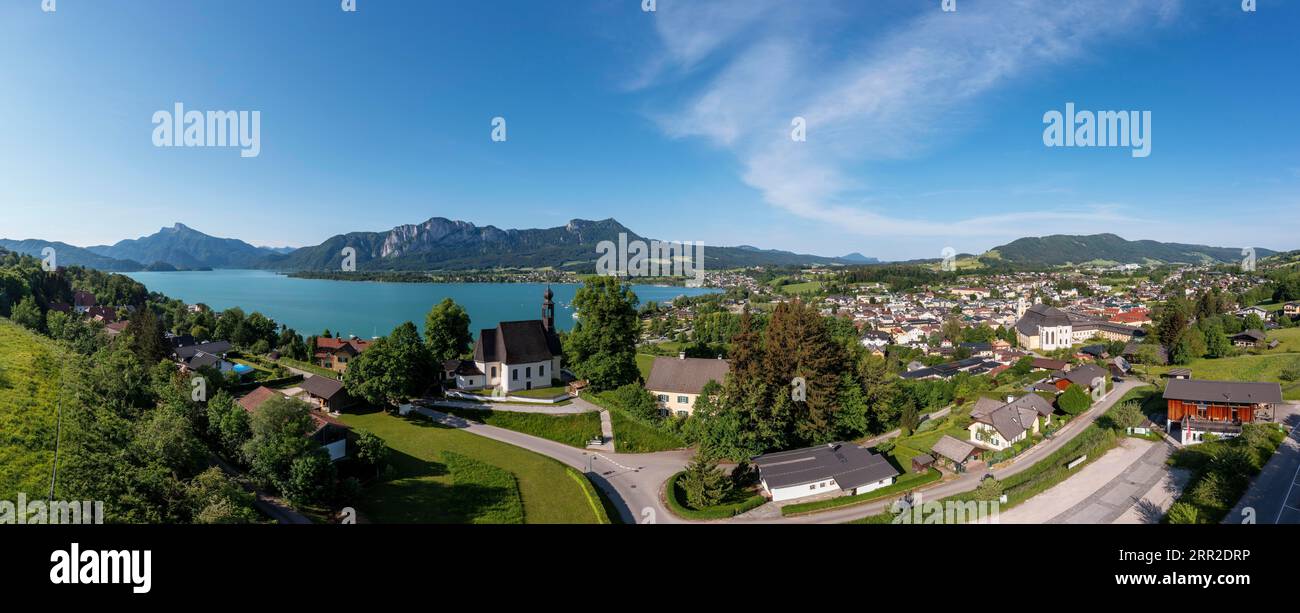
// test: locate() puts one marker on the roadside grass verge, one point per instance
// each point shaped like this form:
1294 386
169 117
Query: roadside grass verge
631 434
905 483
740 501
573 430
421 488
1221 474
592 493
543 393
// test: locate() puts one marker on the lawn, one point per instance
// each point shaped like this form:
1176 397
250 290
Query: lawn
307 367
737 502
543 393
1264 368
431 487
802 288
643 363
29 385
574 430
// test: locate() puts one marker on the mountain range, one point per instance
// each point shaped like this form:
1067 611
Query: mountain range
444 244
1061 249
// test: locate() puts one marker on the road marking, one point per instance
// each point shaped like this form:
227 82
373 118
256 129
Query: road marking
1295 480
602 456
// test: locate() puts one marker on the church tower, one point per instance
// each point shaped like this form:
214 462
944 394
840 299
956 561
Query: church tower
548 310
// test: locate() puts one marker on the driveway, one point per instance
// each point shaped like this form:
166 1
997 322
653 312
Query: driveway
1274 495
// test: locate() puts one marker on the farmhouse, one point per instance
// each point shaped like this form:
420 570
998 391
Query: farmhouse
520 355
677 382
1249 338
1196 407
842 467
999 425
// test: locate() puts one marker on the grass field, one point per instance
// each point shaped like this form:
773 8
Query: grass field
573 430
427 489
643 363
29 383
802 288
1264 368
739 501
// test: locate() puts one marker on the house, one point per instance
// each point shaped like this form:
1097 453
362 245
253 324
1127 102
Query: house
999 425
336 353
101 314
1136 317
331 433
677 382
520 355
1131 353
1291 309
956 452
1053 365
835 467
1248 311
1099 352
876 339
211 354
1249 338
325 393
1088 376
115 328
462 374
82 302
1196 407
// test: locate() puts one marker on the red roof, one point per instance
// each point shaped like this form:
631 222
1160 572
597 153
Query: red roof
333 345
256 398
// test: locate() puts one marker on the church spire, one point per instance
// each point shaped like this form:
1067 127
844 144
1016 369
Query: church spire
548 309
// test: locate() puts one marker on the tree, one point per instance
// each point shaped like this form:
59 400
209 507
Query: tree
279 436
28 315
989 489
147 335
602 346
311 477
1253 322
215 498
392 369
1023 366
1172 321
704 483
372 450
166 438
1216 342
446 331
56 323
1075 400
1125 416
1189 346
228 423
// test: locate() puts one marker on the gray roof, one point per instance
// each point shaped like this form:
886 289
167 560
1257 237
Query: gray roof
1041 315
851 466
322 387
1011 419
517 342
685 375
953 449
1086 374
1232 392
213 347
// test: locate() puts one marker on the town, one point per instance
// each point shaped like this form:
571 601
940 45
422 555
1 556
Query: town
1070 394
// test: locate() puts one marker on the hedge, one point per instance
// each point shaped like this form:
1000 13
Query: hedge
589 491
722 511
904 484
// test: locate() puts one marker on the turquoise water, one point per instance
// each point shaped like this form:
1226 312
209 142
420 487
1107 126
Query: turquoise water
369 309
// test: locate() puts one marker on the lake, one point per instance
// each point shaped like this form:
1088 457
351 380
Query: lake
367 308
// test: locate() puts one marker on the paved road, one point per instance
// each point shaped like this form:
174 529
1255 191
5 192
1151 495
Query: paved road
1110 502
1275 493
632 481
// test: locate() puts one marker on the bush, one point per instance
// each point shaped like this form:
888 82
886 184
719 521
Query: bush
1183 513
1074 401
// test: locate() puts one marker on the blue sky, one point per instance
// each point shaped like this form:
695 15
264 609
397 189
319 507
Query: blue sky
924 127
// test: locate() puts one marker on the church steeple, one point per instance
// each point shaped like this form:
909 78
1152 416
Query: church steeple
548 309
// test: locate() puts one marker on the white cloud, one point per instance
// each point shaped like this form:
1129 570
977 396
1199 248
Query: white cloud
893 96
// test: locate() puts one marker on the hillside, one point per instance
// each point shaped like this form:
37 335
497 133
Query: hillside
69 255
1063 249
29 382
